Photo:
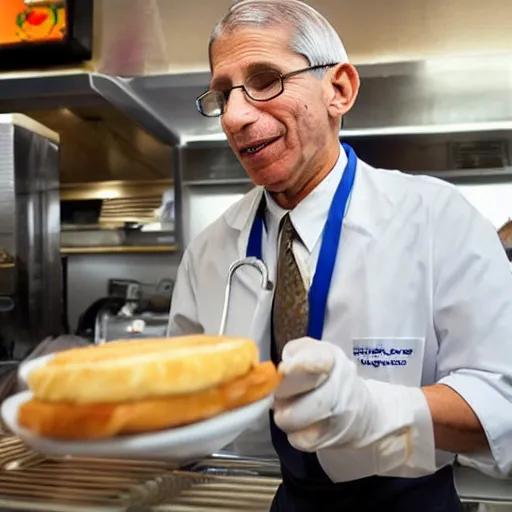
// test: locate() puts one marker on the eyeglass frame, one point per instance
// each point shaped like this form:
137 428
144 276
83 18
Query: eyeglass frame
282 78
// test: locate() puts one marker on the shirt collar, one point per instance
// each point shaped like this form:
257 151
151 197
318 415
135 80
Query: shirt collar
310 215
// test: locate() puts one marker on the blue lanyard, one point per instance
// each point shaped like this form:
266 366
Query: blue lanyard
319 289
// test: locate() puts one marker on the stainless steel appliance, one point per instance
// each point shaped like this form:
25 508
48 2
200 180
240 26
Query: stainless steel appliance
133 310
30 267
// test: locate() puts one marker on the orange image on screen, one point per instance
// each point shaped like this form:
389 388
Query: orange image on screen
36 21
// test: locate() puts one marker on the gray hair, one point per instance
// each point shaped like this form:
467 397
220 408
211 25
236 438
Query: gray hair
313 36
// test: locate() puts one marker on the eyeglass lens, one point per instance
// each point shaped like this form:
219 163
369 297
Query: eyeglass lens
262 86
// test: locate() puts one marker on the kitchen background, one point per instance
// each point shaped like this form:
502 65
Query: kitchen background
138 172
158 37
141 172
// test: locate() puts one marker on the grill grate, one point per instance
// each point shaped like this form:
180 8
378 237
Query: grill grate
30 481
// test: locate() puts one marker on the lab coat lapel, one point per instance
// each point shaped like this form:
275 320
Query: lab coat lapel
370 206
360 227
260 324
251 305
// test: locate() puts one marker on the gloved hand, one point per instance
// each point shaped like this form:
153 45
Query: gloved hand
323 403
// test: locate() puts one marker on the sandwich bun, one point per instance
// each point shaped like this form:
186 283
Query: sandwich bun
142 386
133 370
68 421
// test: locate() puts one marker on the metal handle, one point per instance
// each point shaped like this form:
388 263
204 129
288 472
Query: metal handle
265 284
9 364
227 464
226 456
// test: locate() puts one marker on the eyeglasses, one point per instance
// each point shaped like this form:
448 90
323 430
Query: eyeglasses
261 86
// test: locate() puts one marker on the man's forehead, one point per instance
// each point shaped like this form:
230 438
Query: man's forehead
250 47
247 68
234 60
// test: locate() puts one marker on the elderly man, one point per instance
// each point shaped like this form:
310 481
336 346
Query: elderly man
391 314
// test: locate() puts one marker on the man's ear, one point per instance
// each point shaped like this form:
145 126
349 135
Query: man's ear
344 88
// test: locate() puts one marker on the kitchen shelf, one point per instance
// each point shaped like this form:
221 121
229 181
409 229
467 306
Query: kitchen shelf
69 251
112 189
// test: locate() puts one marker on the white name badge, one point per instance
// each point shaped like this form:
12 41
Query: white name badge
393 360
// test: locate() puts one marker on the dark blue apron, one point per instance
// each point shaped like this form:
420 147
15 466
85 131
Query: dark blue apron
306 487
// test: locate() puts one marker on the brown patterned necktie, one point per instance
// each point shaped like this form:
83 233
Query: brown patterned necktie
291 306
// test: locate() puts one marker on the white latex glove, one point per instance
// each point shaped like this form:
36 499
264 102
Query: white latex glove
322 403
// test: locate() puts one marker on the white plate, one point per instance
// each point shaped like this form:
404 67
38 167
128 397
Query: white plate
178 445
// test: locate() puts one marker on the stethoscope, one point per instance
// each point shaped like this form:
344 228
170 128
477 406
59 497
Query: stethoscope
266 284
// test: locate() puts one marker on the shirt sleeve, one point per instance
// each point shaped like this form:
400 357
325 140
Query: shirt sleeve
473 322
183 317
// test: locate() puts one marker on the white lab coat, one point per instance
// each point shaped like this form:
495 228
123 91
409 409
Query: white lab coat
416 261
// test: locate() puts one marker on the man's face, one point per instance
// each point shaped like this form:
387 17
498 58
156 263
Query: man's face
292 130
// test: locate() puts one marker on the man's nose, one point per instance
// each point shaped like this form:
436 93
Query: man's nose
239 112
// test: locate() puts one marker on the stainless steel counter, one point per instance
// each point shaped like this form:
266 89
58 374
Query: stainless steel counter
31 482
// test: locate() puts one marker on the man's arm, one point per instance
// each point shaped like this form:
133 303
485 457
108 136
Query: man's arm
457 428
471 404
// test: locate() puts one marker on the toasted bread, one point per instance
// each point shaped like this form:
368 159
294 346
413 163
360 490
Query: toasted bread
127 371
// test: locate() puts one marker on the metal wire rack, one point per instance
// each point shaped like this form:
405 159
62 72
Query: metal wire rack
30 481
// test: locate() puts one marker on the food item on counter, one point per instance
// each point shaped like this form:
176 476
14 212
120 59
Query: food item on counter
131 387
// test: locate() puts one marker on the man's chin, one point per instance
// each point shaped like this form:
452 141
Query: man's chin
271 185
275 189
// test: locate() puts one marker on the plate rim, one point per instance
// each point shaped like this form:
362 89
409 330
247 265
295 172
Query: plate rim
129 443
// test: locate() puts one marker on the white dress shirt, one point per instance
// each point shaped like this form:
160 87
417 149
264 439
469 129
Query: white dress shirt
308 219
